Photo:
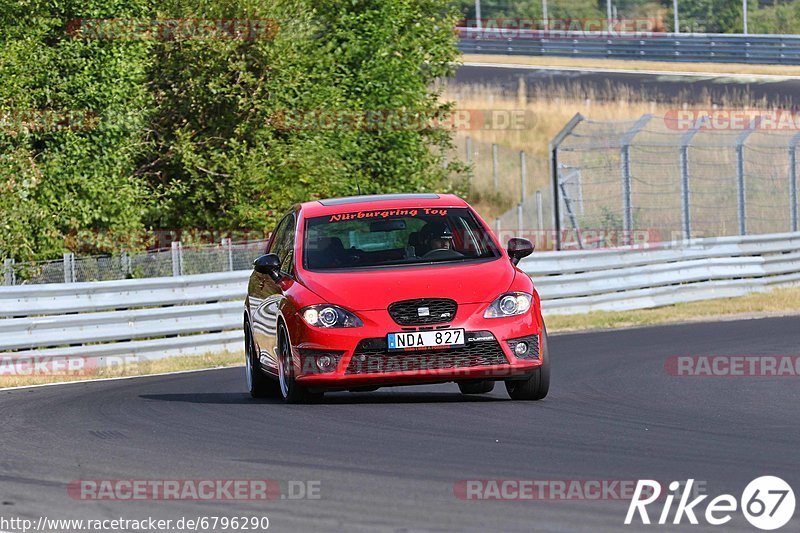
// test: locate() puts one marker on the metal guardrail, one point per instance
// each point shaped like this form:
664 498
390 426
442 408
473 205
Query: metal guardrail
623 279
161 317
689 47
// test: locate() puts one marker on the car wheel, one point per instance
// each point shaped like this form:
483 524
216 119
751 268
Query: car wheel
291 391
476 387
537 386
258 384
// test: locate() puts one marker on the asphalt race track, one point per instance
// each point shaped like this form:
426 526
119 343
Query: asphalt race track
662 87
388 460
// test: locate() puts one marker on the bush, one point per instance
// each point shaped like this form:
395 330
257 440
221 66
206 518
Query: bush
189 133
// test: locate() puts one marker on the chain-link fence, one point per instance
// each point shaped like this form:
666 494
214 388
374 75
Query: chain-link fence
665 178
178 260
510 188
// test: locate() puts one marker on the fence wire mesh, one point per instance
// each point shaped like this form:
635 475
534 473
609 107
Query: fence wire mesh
179 260
510 188
649 176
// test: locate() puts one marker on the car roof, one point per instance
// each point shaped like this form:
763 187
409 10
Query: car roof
331 206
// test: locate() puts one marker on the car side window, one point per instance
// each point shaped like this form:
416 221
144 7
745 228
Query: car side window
283 245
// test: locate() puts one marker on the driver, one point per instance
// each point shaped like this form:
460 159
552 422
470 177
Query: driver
436 236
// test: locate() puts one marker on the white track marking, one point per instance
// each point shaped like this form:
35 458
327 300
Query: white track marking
771 77
175 373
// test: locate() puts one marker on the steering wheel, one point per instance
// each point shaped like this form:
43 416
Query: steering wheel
442 253
353 256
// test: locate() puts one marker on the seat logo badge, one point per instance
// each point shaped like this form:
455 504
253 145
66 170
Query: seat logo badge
423 311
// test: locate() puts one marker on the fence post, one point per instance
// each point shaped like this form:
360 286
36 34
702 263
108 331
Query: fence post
519 220
69 267
127 265
539 214
177 258
625 165
522 175
740 181
686 216
497 227
9 277
228 246
469 149
552 150
793 180
494 165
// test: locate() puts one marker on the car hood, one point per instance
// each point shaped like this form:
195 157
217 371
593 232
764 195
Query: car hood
371 289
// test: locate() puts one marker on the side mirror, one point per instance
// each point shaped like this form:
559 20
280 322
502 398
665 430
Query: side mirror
269 264
519 248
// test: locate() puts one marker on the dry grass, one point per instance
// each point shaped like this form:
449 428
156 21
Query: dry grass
544 115
576 62
544 112
777 302
139 368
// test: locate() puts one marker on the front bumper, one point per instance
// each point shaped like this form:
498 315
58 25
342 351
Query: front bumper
363 359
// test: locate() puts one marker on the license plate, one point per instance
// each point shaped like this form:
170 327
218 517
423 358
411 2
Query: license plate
426 339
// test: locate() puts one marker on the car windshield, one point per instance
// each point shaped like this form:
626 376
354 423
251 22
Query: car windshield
375 238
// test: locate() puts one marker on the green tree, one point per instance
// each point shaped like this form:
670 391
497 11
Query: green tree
66 157
188 132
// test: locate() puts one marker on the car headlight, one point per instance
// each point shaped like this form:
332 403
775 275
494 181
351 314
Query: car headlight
330 316
509 304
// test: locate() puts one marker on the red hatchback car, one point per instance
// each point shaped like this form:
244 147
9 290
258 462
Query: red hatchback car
370 291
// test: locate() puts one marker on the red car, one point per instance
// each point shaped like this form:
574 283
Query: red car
371 291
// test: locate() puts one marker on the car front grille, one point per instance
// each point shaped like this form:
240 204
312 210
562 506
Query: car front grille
372 357
423 311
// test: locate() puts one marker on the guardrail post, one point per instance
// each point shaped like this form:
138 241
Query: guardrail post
625 166
177 258
494 165
740 179
227 245
69 267
553 155
9 275
522 175
793 181
686 214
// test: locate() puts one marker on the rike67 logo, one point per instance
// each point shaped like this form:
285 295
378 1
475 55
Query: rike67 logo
767 503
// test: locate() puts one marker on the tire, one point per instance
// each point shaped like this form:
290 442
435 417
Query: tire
476 387
537 386
291 391
258 384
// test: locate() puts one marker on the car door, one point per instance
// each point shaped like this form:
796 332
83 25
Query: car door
265 294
